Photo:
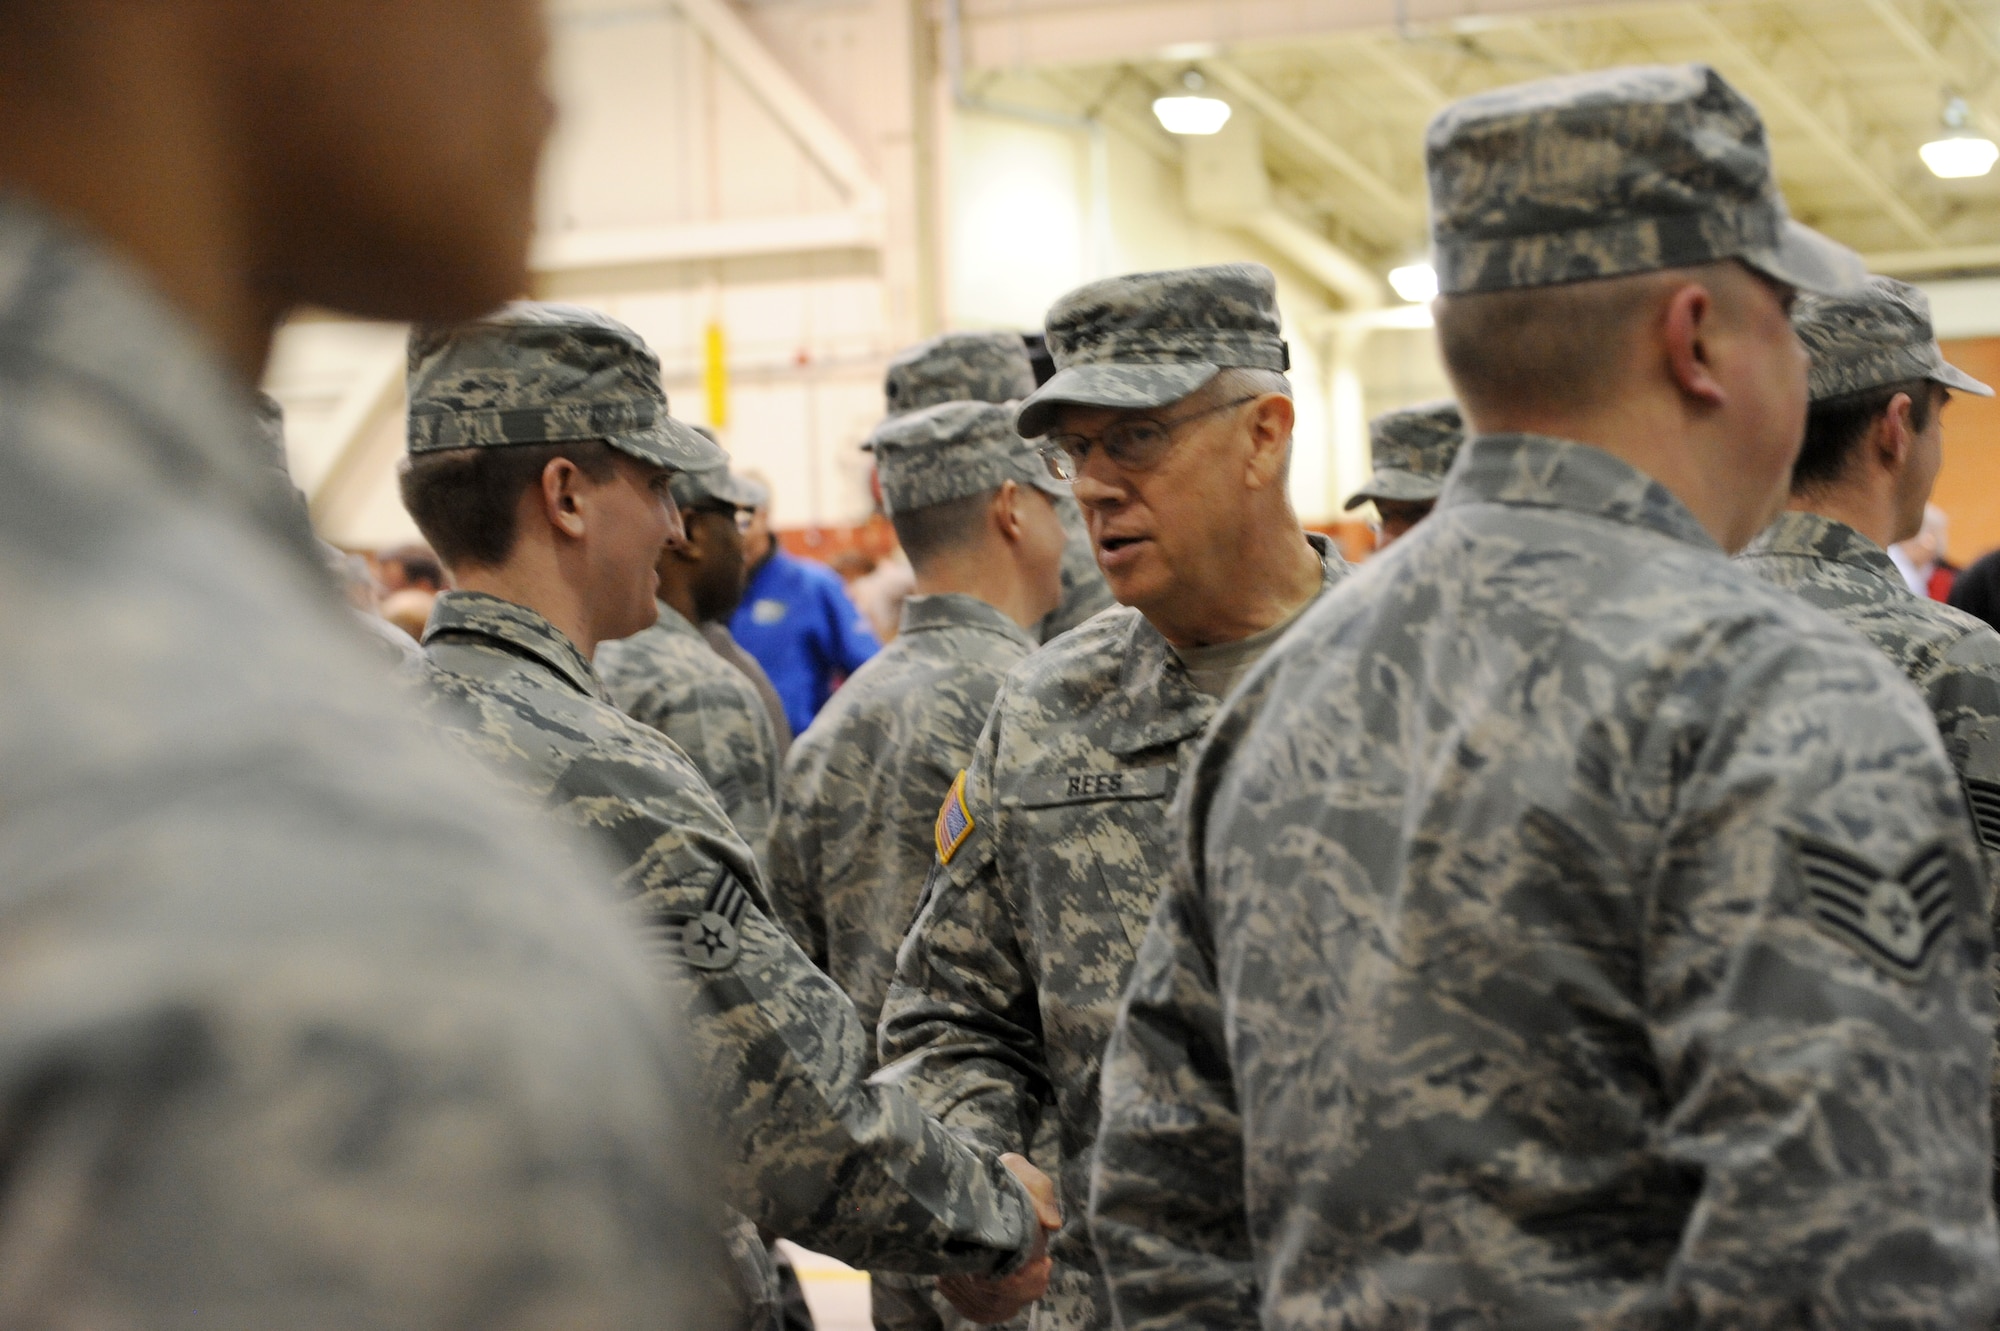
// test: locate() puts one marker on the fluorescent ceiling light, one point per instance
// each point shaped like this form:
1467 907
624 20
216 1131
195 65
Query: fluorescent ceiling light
1415 282
1960 157
1192 115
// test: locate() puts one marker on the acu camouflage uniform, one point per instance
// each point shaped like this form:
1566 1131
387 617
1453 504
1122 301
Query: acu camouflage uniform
672 679
1412 450
1570 931
853 841
1054 844
305 1027
811 1150
994 367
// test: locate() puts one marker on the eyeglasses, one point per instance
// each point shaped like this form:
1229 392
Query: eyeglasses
1132 445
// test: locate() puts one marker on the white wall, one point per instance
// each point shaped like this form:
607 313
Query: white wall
659 132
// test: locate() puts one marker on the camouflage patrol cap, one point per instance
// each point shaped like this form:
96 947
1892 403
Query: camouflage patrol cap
952 451
1152 338
960 367
701 486
1612 173
1879 336
1412 451
534 373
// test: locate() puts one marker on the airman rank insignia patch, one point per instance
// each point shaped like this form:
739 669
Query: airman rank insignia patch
1893 920
711 941
954 821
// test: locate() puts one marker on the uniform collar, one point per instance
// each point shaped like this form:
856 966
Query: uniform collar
956 610
1151 668
1536 471
70 309
1813 536
673 621
518 629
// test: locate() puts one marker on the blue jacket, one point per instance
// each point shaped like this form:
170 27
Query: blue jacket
797 620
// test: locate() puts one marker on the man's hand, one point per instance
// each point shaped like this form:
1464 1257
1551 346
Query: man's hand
989 1299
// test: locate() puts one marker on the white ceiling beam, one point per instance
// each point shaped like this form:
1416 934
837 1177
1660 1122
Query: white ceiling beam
1905 29
571 251
1418 84
1010 34
1407 213
1772 90
773 85
1325 262
357 461
1936 259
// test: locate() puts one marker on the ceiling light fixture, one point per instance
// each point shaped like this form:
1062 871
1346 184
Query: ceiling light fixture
1191 112
1415 282
1961 154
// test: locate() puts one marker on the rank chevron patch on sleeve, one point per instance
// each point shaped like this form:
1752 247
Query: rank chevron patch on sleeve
1896 920
1984 799
954 821
712 940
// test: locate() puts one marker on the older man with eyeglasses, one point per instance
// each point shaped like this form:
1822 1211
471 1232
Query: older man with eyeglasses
1172 419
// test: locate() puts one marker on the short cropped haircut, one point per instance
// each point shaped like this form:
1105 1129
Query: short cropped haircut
1836 427
1559 348
936 531
466 501
1243 381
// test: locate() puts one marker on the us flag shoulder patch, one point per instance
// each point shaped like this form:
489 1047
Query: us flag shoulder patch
954 821
1893 920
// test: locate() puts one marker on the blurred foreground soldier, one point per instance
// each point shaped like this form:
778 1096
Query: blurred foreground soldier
995 367
1172 417
1573 931
1412 451
304 1027
541 460
974 507
672 680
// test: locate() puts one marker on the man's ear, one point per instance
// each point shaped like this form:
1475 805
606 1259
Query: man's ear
692 545
1688 327
561 491
1006 511
1893 433
1271 419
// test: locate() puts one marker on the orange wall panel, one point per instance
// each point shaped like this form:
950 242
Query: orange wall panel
1969 486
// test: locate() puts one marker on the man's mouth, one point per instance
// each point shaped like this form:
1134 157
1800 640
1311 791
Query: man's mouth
1113 551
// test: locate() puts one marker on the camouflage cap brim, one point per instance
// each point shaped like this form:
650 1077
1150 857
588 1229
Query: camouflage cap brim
1127 387
1398 487
1952 377
713 485
1805 259
670 444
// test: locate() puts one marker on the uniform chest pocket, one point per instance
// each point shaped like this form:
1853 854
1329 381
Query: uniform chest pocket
1097 851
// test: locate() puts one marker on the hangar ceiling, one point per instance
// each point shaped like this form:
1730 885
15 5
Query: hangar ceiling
1849 88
